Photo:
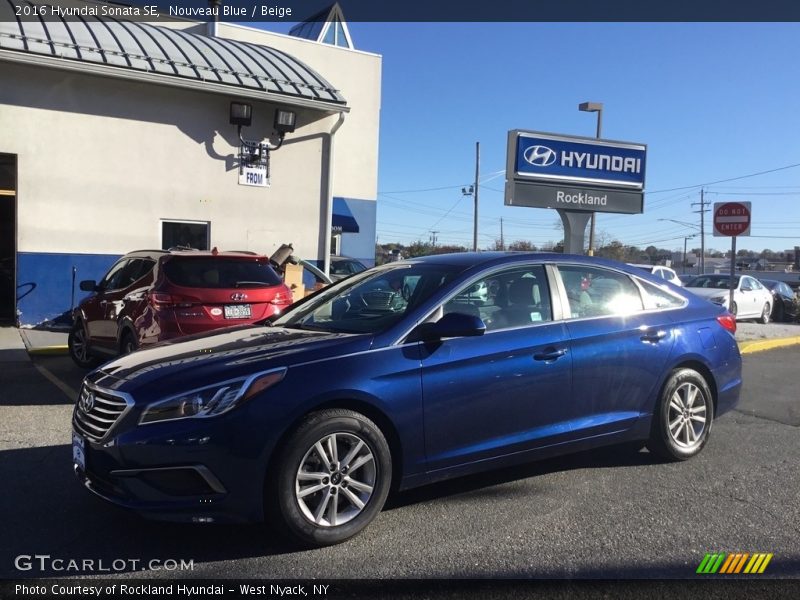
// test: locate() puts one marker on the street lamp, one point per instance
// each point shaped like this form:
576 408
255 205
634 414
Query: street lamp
598 108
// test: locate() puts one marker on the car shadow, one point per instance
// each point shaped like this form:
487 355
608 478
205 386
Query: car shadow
51 513
48 512
482 484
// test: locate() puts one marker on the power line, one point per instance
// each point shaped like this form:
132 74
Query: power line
688 187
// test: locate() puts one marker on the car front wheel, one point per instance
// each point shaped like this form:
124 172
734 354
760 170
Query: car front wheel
683 417
332 478
78 345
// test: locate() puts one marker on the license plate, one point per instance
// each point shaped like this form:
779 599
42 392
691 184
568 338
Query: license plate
237 311
78 454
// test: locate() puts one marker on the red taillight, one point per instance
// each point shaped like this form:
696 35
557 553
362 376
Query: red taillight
282 297
728 321
160 301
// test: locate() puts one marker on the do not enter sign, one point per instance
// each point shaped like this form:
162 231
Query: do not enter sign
731 219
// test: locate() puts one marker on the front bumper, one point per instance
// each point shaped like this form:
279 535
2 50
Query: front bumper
188 472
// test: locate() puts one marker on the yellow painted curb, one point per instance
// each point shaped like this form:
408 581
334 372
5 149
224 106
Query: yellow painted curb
49 350
760 345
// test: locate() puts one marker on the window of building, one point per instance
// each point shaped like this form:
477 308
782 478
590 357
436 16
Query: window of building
185 234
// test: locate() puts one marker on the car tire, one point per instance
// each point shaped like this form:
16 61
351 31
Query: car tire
78 346
765 313
734 309
779 311
127 343
683 416
330 480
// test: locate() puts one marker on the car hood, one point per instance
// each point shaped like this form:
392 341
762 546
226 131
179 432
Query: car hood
205 359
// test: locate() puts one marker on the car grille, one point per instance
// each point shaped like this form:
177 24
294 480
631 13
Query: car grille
97 412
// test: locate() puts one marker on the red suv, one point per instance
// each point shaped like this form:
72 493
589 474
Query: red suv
154 295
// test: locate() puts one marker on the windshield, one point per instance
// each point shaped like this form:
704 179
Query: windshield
220 272
371 301
721 282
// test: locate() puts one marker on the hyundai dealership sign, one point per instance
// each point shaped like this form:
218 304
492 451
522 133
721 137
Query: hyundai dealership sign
574 173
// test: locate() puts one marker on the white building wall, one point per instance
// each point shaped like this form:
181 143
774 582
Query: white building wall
101 161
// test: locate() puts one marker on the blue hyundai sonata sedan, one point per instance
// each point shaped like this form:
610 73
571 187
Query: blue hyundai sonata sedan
400 376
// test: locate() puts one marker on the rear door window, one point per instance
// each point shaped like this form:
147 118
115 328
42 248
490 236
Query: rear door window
220 272
594 292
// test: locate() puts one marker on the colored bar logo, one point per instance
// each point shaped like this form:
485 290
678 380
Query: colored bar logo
734 563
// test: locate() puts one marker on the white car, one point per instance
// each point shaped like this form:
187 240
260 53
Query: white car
661 271
751 300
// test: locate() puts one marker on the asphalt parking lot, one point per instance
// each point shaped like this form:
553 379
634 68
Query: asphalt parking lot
614 513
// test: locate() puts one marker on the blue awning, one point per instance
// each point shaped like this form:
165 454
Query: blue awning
343 219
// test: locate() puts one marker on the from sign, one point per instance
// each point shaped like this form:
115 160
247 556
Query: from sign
731 219
255 176
545 170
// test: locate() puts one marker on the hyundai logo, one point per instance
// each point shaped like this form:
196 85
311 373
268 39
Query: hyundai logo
86 402
540 156
238 296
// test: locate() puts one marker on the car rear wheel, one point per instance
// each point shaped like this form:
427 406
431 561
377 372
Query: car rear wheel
765 313
683 417
331 480
78 345
734 309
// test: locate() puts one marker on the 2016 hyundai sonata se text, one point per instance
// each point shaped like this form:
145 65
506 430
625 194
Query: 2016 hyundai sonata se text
397 377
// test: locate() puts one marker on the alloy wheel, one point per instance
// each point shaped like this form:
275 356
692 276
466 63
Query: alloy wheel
79 345
335 480
687 415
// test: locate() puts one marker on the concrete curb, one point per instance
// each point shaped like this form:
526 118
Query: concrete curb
751 346
49 351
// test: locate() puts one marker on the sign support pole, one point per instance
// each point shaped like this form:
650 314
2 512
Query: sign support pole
574 229
733 272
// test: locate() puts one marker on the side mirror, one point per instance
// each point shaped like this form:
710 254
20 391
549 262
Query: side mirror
88 285
452 325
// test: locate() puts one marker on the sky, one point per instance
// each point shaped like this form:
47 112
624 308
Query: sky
714 102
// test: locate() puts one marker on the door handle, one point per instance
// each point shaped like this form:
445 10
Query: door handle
550 354
654 336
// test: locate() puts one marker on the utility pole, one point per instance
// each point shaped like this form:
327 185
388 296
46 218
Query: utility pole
433 237
702 212
502 239
475 196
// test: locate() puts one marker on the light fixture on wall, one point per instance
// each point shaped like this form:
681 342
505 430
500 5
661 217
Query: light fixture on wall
256 154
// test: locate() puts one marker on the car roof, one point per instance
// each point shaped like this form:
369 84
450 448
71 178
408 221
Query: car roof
483 259
187 252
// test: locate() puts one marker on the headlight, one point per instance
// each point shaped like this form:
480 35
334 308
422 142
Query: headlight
212 400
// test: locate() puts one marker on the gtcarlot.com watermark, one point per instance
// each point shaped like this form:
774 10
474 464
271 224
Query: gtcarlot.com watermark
45 563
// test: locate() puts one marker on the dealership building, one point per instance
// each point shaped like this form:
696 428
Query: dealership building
118 135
